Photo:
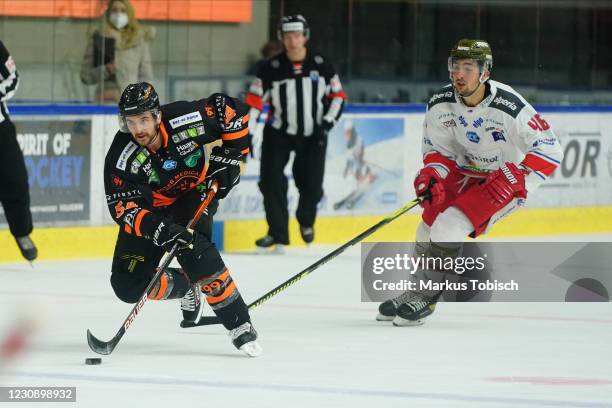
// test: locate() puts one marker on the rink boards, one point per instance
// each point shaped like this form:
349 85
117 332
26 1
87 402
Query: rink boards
64 148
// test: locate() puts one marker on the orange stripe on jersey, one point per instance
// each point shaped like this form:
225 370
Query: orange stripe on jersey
235 135
138 220
254 101
231 288
162 128
160 200
127 228
539 164
245 151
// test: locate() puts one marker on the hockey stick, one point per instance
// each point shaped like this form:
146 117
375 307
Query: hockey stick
107 347
208 320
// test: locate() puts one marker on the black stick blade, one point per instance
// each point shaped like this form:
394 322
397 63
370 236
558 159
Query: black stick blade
204 321
99 346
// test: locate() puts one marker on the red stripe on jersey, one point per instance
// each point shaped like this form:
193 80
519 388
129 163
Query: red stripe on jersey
537 163
340 94
435 157
254 101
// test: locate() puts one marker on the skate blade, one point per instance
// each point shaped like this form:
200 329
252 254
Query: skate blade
401 322
383 318
277 249
251 349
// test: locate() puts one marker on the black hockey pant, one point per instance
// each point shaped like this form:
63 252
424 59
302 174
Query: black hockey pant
14 194
308 171
136 258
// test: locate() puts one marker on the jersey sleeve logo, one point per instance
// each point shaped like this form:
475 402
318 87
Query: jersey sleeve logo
125 155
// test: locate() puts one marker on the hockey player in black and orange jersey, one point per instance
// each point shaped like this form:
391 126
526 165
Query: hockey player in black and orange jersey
156 174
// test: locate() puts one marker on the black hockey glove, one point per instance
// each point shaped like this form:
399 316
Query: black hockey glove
168 233
224 168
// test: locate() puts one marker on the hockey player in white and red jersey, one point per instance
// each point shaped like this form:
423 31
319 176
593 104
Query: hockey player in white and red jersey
485 150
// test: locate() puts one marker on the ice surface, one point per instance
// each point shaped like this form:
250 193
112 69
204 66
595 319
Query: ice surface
322 346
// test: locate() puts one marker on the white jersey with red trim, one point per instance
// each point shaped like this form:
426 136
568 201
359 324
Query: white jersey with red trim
504 127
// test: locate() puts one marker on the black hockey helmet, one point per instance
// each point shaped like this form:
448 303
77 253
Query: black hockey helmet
136 99
296 22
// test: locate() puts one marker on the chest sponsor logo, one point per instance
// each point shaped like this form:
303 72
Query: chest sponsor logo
153 177
482 159
125 155
463 121
169 165
472 137
498 136
179 137
478 122
450 123
192 159
196 131
185 119
427 141
135 167
117 182
148 168
186 148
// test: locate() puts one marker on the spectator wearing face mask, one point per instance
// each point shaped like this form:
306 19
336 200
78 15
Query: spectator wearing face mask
117 52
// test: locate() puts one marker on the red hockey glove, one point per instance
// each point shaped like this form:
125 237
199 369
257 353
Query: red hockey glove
428 184
506 183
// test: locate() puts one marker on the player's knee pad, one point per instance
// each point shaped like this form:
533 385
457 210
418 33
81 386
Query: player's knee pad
172 284
201 261
220 289
451 226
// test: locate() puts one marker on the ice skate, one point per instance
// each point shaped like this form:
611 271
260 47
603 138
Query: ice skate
244 338
27 247
269 245
415 310
307 234
388 309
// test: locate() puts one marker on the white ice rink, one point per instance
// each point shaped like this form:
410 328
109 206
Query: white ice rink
322 346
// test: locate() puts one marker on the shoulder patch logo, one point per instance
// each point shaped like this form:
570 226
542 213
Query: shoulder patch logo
501 101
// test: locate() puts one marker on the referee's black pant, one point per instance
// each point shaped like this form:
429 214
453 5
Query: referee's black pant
308 171
15 191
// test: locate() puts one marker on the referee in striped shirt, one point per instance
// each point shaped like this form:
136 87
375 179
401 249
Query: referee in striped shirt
306 100
14 194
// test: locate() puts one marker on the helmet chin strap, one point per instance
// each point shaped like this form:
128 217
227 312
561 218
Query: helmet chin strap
481 80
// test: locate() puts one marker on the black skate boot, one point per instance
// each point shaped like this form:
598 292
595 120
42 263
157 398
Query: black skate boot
27 247
307 234
192 304
388 309
244 338
269 244
414 311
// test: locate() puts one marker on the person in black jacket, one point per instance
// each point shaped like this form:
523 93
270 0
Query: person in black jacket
156 174
15 191
306 100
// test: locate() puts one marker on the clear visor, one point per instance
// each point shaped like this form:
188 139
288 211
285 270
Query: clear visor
140 119
465 65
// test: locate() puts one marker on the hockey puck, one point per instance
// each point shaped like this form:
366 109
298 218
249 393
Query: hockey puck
93 361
